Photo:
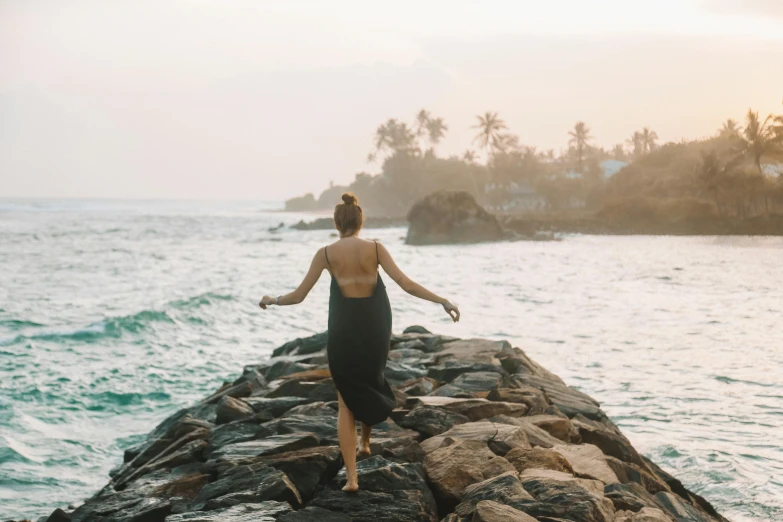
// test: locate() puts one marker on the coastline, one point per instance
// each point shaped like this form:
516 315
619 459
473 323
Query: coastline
480 431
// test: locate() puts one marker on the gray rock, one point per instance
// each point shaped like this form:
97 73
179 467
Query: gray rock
631 496
450 370
491 511
588 461
535 435
567 499
416 329
680 509
473 408
431 420
471 384
567 399
389 506
314 514
268 446
283 368
230 409
451 216
419 387
302 346
504 489
256 512
537 458
397 373
500 438
247 484
276 406
307 468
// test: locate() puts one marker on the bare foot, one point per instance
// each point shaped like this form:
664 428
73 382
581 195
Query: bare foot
351 486
364 448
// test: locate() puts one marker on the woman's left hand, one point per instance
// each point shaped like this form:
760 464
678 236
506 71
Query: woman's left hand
266 301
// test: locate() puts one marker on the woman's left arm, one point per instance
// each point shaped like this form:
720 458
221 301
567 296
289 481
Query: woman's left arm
298 295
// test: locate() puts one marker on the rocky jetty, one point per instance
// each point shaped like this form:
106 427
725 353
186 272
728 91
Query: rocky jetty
327 223
481 433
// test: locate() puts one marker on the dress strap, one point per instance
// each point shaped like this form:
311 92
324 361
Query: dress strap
376 252
327 259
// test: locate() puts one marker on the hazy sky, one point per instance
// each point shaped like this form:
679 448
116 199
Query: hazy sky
266 100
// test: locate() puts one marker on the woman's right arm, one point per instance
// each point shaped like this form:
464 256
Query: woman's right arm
410 286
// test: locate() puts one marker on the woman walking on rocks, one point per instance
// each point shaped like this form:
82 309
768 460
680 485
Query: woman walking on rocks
360 324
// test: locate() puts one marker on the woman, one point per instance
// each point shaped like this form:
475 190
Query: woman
360 325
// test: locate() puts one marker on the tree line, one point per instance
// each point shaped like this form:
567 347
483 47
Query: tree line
726 169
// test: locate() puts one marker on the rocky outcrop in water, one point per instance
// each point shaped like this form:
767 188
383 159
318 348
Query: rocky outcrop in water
451 216
481 434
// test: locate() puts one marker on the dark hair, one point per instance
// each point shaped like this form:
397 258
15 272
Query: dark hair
348 215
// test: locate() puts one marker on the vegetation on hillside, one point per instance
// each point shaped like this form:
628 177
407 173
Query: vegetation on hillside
730 174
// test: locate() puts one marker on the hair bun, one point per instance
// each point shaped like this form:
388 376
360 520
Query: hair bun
350 199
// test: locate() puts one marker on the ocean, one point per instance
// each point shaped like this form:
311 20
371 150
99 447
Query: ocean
114 314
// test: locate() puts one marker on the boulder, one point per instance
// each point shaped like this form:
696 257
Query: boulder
569 400
451 468
474 408
559 495
481 351
631 496
680 509
246 484
389 506
282 368
419 387
320 390
500 438
314 514
491 511
559 427
414 328
535 435
504 489
449 216
610 441
254 512
397 373
275 406
266 446
471 384
124 506
588 461
450 370
627 472
302 346
537 458
533 398
306 468
431 420
231 409
645 514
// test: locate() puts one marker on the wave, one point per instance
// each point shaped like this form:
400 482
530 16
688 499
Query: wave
18 324
206 298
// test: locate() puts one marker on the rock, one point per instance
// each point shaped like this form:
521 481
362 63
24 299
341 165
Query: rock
397 373
322 390
314 514
307 345
523 459
567 399
611 442
247 484
231 409
323 427
378 474
431 420
627 472
416 329
644 515
58 515
533 398
561 496
390 506
451 468
450 370
419 387
470 384
267 446
238 431
399 450
282 368
275 406
474 409
559 427
588 461
449 216
307 468
631 496
500 438
481 351
535 435
677 488
491 511
680 509
317 409
125 506
504 489
255 512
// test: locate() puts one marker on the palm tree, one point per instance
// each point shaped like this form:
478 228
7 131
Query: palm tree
759 137
394 136
469 157
648 138
436 129
422 119
618 152
490 127
730 129
580 138
636 141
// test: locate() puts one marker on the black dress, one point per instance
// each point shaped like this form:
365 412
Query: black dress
357 349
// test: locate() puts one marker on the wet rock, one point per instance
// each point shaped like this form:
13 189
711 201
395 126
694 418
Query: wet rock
283 368
322 390
449 216
307 468
451 468
378 474
596 487
247 484
238 431
588 461
411 345
399 450
627 472
267 446
500 438
414 328
431 420
390 506
419 387
320 408
680 509
230 409
531 397
473 350
255 512
676 487
58 515
504 488
450 370
535 435
125 506
474 408
314 514
302 346
611 442
523 459
471 384
323 427
275 406
490 511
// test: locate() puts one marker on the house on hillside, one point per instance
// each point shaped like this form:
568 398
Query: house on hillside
608 167
514 197
772 170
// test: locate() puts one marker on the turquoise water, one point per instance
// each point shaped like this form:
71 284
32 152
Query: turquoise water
115 314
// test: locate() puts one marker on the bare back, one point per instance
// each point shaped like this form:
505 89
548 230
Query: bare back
353 262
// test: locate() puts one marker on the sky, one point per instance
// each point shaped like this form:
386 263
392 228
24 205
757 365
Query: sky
254 99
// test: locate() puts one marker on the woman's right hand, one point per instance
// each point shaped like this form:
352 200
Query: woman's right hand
452 310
